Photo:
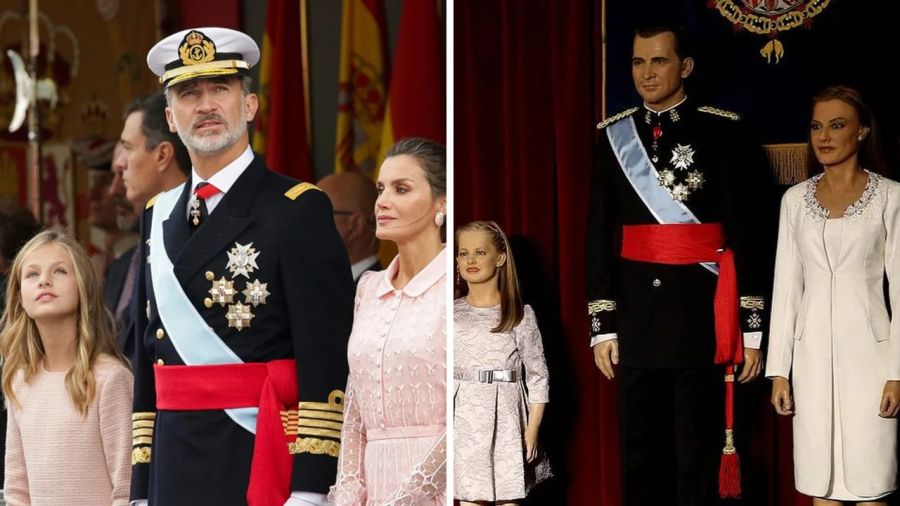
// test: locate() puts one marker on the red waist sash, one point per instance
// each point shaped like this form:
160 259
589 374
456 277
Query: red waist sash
270 386
684 244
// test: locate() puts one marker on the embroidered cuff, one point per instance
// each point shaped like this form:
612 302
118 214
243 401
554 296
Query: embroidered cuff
317 426
142 436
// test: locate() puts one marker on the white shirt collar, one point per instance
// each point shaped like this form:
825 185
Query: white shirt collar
225 178
667 108
360 267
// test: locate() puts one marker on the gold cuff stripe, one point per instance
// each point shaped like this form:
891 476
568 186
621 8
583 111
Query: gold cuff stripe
141 432
143 416
315 446
322 415
600 305
336 434
305 422
203 68
140 455
753 303
141 441
335 403
143 424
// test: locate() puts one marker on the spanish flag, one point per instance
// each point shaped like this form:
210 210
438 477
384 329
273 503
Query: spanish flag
362 86
416 106
281 124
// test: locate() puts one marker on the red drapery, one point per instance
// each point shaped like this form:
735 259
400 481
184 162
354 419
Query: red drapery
527 96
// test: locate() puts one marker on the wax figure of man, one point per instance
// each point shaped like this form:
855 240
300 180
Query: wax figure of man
677 276
245 305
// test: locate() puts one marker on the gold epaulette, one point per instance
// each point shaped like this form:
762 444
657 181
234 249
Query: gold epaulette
612 119
298 190
321 420
720 112
142 436
151 201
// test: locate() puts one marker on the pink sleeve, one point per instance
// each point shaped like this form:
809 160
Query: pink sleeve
350 486
531 349
114 398
15 488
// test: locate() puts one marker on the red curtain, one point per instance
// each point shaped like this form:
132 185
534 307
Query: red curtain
527 95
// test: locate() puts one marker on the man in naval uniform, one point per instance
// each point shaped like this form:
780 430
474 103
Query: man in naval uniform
245 305
678 274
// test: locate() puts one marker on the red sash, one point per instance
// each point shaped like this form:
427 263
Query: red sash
270 386
684 244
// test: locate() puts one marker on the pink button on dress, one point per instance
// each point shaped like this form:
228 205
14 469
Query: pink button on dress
393 440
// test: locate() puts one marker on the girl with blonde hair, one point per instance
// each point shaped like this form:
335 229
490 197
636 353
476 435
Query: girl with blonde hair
497 410
68 389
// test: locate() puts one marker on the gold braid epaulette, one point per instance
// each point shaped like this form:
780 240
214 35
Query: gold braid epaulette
719 112
612 119
299 189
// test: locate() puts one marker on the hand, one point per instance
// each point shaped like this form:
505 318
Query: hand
606 355
752 365
890 400
781 396
531 444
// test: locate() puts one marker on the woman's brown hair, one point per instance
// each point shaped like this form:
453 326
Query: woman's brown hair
870 155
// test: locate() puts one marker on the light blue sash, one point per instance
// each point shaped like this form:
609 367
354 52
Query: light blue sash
194 340
640 172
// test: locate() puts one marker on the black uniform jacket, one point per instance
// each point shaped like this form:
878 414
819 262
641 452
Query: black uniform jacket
663 314
204 457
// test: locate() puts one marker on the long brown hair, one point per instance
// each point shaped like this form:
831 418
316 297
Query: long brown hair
870 154
512 310
20 341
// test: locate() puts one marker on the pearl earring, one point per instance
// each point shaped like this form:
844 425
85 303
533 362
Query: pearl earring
439 219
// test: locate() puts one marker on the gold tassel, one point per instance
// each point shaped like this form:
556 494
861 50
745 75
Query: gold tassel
788 162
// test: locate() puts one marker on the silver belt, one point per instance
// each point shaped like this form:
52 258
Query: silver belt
486 375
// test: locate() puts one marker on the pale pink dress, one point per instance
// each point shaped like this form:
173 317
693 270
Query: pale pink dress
489 419
393 441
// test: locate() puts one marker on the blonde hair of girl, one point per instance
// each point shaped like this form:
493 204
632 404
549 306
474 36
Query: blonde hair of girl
20 342
512 310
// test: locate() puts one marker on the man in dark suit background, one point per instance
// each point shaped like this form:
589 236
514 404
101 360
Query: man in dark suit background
148 159
353 196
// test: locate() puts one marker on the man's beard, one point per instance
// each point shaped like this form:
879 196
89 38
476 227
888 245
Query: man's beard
211 144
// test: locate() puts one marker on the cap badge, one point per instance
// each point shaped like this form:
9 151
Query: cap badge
196 48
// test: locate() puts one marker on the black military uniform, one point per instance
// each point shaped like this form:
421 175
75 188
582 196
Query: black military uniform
671 393
261 280
203 457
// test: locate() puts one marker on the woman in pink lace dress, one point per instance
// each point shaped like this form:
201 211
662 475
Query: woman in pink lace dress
496 338
393 448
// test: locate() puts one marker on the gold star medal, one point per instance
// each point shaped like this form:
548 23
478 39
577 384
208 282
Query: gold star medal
242 260
256 293
239 316
222 291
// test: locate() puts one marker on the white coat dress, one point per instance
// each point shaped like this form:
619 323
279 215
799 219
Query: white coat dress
832 337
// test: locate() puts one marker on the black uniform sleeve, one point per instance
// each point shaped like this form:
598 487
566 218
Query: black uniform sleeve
601 297
750 222
319 294
144 411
